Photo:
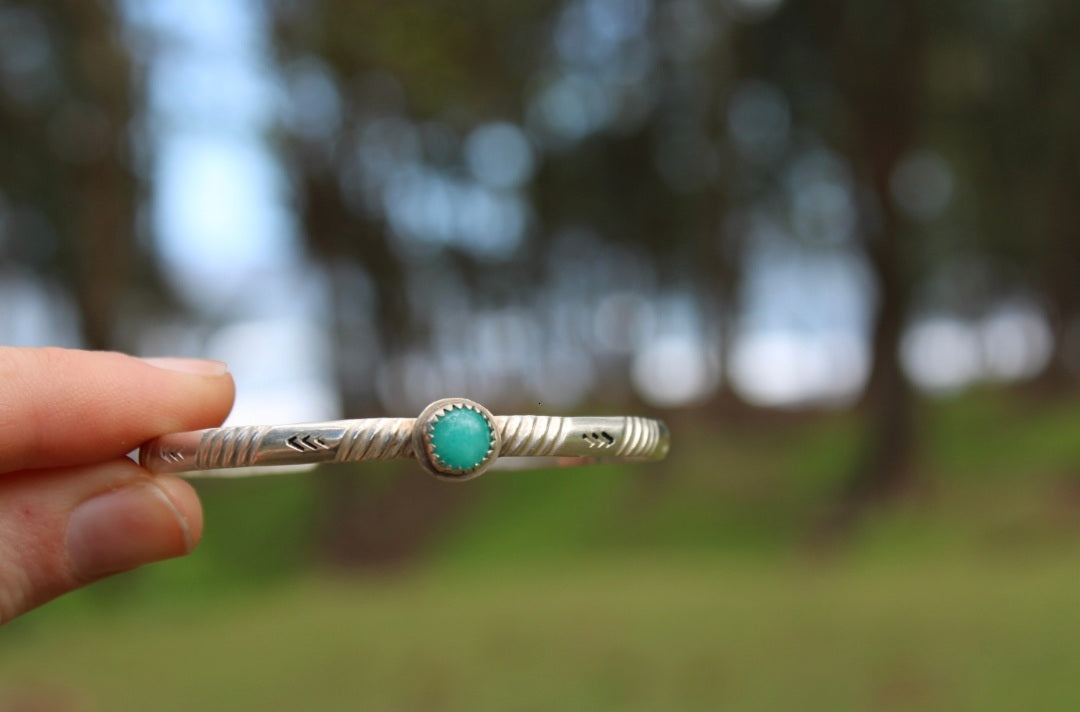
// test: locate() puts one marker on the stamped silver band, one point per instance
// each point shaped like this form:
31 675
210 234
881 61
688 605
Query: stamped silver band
454 439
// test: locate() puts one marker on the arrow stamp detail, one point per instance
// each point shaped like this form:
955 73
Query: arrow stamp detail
601 439
171 455
306 442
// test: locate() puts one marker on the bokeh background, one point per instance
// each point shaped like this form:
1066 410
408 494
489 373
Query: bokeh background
836 245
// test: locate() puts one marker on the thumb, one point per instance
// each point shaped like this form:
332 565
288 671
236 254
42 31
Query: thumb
61 529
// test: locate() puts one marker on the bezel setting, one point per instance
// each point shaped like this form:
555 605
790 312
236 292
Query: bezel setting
425 448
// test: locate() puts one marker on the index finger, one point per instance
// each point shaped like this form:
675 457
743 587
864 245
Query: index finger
61 407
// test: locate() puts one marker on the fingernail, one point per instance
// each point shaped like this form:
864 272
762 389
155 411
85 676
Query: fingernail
124 528
203 367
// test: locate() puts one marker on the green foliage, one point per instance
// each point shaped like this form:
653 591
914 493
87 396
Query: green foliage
629 633
535 515
989 436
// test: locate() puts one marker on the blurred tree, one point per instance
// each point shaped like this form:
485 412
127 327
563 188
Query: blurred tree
881 40
1022 111
854 73
647 175
621 102
633 112
622 107
383 90
67 180
365 81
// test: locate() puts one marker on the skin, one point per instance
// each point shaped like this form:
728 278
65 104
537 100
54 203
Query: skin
73 507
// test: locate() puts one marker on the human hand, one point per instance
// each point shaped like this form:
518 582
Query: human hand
73 507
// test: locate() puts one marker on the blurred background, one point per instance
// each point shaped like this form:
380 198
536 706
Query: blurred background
835 245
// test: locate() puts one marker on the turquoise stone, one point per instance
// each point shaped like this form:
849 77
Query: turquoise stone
461 438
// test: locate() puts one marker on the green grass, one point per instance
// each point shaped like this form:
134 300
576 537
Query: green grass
675 632
691 585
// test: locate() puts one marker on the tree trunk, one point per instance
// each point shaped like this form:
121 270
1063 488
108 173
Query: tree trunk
1060 282
98 225
886 467
881 79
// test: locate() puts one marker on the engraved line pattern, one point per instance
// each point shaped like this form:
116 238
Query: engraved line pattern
652 441
556 432
640 438
510 431
244 445
531 435
631 436
230 447
377 439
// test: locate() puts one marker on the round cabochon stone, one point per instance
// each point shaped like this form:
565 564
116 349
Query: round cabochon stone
461 438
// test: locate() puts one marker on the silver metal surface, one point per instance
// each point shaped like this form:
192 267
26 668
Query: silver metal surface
215 451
